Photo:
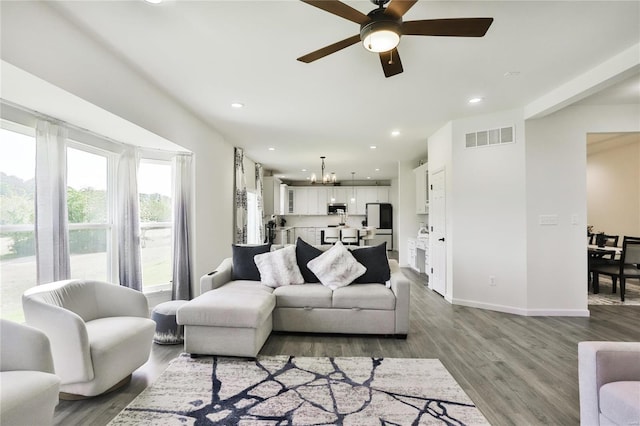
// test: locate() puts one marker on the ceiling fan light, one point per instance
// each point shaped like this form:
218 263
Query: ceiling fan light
381 34
381 41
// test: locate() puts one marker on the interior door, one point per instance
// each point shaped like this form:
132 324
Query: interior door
437 241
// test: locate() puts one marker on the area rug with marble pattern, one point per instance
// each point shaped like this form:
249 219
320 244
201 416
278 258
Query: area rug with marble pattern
287 390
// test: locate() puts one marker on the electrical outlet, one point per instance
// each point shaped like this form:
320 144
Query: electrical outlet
492 280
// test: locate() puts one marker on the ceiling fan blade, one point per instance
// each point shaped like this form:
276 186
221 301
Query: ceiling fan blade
456 27
340 9
398 8
328 50
391 64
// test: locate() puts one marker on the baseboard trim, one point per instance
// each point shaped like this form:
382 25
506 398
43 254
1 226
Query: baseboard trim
522 312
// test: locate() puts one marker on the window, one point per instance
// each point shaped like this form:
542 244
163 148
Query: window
17 217
89 223
155 189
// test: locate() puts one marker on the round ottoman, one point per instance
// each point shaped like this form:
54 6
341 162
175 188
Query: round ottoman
168 332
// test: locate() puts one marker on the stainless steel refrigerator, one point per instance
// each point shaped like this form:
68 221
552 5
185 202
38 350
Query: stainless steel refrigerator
380 216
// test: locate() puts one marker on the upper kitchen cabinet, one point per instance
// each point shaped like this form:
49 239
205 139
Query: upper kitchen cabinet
301 200
272 196
422 189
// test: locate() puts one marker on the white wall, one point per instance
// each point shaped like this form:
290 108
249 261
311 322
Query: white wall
556 184
613 190
488 216
39 41
440 151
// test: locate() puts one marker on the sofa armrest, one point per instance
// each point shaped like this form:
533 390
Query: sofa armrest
24 348
217 278
401 288
600 363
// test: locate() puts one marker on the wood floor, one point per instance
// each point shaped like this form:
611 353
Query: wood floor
518 370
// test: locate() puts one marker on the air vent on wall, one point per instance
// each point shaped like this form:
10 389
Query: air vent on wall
490 137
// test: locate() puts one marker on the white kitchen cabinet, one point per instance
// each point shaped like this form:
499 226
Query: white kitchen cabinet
411 251
364 195
308 234
271 196
289 200
301 200
337 194
422 189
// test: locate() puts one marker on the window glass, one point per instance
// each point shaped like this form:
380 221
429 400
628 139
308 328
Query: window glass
88 214
155 189
17 216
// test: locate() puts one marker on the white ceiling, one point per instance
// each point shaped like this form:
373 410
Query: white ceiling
208 54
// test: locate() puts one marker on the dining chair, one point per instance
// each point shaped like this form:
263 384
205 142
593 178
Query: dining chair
349 236
600 258
627 267
331 235
369 236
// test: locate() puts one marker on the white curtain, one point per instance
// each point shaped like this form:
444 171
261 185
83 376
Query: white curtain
181 287
259 200
128 220
240 198
52 239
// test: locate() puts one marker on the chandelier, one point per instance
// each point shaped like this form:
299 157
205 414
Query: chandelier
326 179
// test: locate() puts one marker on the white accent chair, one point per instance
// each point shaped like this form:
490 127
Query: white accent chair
29 391
99 332
609 376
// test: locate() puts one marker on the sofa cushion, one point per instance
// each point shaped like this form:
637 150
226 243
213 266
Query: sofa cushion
245 285
244 267
336 267
239 309
305 252
364 296
279 268
620 402
303 296
376 261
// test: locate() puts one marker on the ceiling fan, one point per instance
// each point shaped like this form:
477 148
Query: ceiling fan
381 29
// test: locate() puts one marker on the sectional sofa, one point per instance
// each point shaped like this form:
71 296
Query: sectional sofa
239 308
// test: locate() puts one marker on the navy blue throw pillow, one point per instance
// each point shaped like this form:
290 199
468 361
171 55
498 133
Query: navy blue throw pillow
305 252
377 264
244 268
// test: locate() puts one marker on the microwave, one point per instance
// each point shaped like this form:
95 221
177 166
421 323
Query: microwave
336 208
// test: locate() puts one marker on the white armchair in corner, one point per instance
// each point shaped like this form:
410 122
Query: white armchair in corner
99 332
609 375
29 391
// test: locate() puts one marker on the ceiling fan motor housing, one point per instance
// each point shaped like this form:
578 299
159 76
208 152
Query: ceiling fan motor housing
380 21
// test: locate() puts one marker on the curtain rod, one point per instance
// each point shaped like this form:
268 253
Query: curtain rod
42 116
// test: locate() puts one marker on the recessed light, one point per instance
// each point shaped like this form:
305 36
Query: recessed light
153 1
395 133
475 100
271 148
368 177
377 170
303 170
373 147
237 105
